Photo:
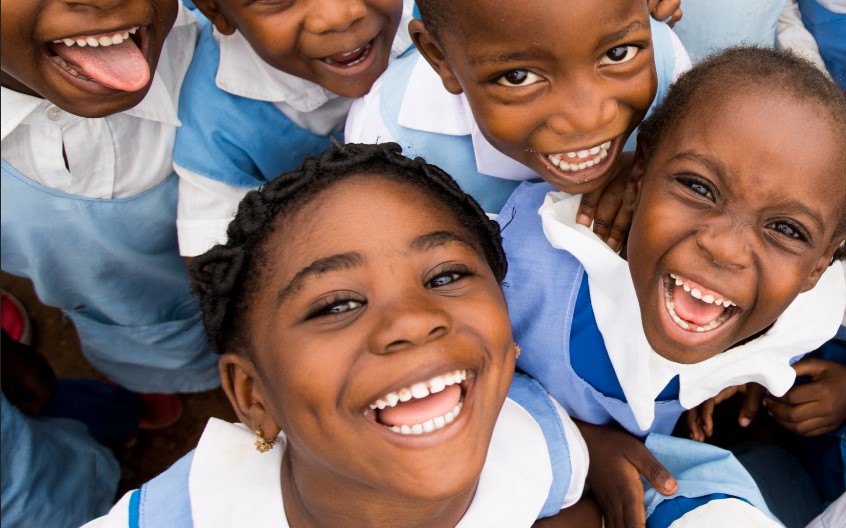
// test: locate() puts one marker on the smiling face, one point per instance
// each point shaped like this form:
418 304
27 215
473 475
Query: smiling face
91 58
342 45
381 344
739 204
558 86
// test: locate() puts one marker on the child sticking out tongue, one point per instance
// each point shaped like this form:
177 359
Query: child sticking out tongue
112 60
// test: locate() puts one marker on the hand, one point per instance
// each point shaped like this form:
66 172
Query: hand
28 380
585 513
700 421
668 11
617 460
610 209
813 408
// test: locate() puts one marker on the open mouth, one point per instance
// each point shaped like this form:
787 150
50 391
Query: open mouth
423 407
581 166
695 308
348 59
580 159
114 59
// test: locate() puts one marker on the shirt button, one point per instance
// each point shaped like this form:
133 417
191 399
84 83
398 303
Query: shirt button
54 113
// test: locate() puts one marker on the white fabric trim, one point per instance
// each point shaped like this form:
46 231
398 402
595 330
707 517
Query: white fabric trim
725 512
812 319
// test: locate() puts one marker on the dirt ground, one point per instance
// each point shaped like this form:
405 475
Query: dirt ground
151 452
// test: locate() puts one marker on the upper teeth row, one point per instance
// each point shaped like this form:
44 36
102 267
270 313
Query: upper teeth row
578 160
420 390
100 40
696 293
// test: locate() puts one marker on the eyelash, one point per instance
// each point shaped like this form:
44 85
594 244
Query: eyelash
455 274
697 186
798 232
503 81
631 52
334 305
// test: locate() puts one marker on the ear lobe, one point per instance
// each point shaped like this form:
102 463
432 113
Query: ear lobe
822 265
434 55
212 11
238 380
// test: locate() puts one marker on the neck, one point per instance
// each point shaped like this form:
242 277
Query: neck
317 498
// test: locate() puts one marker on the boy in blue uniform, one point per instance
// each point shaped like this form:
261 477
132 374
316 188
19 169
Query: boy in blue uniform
268 85
729 275
495 107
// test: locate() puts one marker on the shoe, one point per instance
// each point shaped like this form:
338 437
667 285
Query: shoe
14 318
159 410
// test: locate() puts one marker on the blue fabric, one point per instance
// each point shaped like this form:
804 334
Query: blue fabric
535 400
701 470
671 510
113 267
542 290
235 140
165 500
712 25
53 473
829 30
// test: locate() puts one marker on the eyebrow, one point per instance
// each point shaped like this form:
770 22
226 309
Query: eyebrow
611 38
502 58
719 169
346 261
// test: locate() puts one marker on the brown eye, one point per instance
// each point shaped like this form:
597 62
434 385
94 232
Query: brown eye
620 54
518 78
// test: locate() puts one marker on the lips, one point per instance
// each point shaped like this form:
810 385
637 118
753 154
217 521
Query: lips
693 307
422 407
581 166
350 58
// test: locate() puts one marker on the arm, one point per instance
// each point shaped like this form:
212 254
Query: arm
585 513
816 407
617 461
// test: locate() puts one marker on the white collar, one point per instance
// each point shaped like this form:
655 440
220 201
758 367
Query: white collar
428 106
232 484
812 319
157 105
243 73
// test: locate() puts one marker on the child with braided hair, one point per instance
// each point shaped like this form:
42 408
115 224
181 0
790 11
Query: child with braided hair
367 350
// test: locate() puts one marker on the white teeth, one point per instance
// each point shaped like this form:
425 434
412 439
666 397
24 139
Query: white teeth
696 293
99 40
708 299
574 163
420 390
430 425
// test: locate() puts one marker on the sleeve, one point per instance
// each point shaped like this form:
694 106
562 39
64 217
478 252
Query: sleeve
118 516
204 211
792 34
578 452
681 58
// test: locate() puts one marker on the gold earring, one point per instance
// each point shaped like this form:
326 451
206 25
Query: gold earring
263 445
516 350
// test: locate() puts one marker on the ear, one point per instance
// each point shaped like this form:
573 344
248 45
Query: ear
639 166
434 55
238 380
212 11
823 264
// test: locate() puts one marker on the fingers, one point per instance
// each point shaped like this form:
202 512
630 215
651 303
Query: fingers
666 9
812 367
653 471
694 429
587 208
751 403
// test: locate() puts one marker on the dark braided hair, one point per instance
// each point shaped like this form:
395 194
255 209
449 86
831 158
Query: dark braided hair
226 276
751 70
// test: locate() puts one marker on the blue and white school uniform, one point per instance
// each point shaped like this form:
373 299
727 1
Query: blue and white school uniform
575 314
826 20
52 472
536 465
98 239
243 124
409 105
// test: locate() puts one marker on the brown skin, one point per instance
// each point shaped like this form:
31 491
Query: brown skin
29 27
747 214
581 75
669 11
398 312
295 37
584 514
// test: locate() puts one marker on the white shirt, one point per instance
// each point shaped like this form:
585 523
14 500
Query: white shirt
206 206
231 484
428 106
792 34
116 156
810 320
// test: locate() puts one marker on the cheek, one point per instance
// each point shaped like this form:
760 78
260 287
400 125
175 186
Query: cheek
504 128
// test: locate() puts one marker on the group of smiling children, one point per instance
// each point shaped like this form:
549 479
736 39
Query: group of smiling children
363 313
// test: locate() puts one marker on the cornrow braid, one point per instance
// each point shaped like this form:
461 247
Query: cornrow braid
226 276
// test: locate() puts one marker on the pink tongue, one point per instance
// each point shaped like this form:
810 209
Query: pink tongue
417 411
119 66
346 58
694 310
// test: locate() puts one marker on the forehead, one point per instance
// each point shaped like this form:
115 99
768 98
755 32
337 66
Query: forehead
764 138
542 24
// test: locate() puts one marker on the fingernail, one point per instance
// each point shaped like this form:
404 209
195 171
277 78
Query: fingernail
613 243
670 484
583 219
764 402
744 422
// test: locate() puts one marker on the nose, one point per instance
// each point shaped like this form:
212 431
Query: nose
580 107
408 323
333 15
727 244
